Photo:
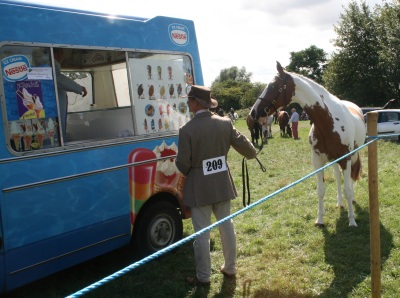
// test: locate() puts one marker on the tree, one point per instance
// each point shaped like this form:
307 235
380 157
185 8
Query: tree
310 62
231 86
388 24
355 72
234 74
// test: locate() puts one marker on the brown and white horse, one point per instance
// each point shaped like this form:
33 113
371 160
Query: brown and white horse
283 120
255 128
338 128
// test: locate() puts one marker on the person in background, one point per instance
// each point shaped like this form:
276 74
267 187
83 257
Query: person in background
209 186
294 119
220 111
64 85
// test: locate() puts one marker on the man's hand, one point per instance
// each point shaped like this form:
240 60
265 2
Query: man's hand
84 91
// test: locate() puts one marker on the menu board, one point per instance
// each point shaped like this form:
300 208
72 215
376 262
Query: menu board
158 89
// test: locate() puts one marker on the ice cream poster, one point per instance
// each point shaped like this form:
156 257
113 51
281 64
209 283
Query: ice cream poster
29 97
159 87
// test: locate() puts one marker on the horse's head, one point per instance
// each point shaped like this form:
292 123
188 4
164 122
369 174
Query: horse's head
277 94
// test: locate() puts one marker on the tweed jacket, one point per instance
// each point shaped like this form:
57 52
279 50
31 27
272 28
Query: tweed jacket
208 136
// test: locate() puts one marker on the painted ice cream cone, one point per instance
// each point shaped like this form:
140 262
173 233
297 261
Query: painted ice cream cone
51 125
40 138
51 136
27 142
16 133
39 131
16 138
38 106
28 133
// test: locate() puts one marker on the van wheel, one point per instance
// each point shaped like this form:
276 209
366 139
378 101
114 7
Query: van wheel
158 226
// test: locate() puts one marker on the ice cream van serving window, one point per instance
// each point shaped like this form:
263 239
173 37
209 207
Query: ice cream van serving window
156 88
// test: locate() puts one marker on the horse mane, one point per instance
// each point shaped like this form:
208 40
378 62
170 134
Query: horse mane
318 88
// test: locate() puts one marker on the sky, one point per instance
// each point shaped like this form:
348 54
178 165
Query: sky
244 33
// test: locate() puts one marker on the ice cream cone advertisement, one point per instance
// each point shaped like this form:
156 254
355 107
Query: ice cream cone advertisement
29 93
16 134
51 130
40 133
28 134
156 175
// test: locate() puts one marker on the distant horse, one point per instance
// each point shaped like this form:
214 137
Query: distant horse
255 129
267 127
283 120
338 128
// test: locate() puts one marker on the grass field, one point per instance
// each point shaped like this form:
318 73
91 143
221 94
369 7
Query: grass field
280 252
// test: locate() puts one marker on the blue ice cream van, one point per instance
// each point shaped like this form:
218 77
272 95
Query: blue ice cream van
84 175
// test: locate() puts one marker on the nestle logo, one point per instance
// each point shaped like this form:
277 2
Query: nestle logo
179 34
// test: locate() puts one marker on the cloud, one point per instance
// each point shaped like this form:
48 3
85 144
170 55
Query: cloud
321 13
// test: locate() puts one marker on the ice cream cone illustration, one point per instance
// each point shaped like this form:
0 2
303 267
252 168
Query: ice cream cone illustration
28 133
40 138
51 126
38 106
27 98
17 138
39 131
16 133
27 142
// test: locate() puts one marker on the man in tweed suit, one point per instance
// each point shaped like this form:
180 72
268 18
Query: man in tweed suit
203 146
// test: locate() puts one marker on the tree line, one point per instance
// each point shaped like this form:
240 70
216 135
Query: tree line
364 69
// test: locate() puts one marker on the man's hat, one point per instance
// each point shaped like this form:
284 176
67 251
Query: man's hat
203 96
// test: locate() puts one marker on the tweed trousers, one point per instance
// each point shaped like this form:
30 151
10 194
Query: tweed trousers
201 218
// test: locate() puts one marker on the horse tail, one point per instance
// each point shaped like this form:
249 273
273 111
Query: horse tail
356 169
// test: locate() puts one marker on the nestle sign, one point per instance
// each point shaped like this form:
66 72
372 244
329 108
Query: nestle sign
179 34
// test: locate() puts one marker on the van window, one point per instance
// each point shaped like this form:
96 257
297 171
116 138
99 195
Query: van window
29 98
139 96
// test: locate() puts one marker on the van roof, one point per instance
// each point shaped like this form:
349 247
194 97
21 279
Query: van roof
60 7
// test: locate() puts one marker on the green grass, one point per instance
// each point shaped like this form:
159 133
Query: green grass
280 252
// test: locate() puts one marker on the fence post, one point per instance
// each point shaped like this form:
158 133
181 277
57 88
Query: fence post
375 241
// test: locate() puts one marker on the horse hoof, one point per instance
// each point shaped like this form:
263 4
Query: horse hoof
352 223
319 225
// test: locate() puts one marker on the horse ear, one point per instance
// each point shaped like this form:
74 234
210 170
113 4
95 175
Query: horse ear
279 68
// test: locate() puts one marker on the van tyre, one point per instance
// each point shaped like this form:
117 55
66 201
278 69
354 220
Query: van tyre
157 227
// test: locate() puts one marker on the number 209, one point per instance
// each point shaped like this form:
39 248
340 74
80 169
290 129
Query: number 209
214 165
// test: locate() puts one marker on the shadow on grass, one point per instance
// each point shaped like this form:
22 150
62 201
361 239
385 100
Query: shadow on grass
347 250
160 277
140 280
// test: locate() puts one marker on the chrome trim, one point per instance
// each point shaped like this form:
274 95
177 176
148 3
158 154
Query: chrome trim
66 254
82 146
90 173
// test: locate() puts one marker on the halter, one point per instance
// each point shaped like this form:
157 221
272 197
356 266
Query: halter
272 104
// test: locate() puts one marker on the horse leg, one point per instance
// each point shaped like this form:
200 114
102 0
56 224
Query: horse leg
317 162
336 172
349 193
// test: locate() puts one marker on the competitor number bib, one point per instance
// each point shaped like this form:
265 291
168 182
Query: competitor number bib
214 165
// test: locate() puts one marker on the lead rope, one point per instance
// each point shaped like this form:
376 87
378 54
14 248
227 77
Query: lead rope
245 180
